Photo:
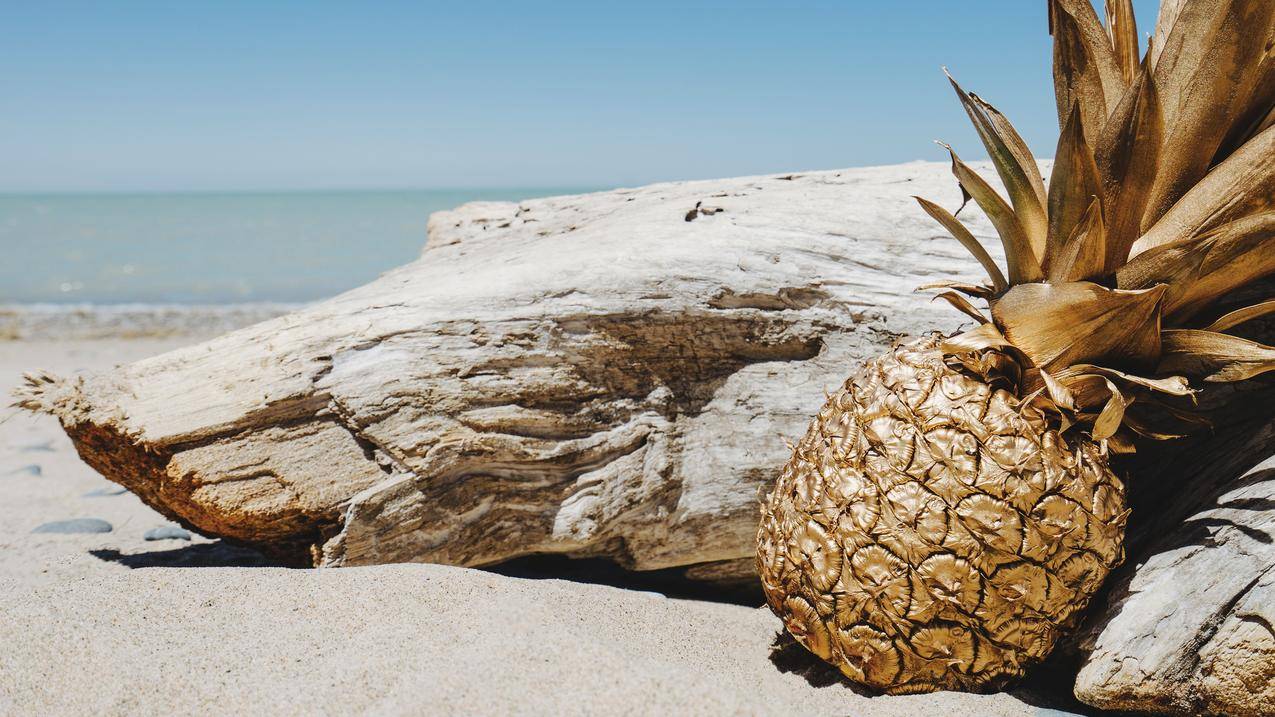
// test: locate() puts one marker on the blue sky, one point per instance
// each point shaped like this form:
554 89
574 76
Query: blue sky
126 96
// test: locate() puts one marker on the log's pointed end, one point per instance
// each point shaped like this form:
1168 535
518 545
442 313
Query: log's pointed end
44 392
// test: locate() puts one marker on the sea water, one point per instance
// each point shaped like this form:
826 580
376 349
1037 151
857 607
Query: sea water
213 248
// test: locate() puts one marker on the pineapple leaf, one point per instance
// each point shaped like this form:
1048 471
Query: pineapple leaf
1266 121
1171 385
980 338
1126 155
1112 414
1257 112
1122 29
1058 393
1072 187
1088 390
1169 11
1084 323
1023 264
975 290
1234 318
1242 184
1210 67
967 240
1121 444
1014 163
1082 256
1184 416
963 305
1200 270
1146 431
1259 116
1215 356
1085 69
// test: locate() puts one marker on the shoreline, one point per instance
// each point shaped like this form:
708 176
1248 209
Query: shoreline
85 321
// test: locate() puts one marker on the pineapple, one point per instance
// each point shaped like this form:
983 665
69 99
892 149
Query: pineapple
953 507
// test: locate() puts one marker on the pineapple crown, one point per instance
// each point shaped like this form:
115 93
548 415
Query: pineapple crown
1161 204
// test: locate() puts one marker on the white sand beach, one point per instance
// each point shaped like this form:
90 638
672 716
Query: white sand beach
112 623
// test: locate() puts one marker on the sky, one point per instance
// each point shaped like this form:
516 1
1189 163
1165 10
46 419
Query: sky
231 95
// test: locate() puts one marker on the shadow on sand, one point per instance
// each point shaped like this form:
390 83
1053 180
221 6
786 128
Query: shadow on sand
219 554
671 582
1047 686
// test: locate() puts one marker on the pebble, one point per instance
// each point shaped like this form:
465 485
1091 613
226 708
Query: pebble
106 492
30 470
75 525
167 532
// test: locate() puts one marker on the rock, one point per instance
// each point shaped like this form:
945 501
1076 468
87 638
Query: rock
75 525
588 375
1192 630
33 470
167 532
106 492
408 639
41 447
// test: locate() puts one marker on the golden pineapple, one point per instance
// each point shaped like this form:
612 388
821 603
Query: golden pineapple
952 508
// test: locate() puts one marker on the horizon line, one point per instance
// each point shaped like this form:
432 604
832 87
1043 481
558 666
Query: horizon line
590 186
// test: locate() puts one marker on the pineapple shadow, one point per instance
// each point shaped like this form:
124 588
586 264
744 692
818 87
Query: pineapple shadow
790 657
1197 530
1200 530
1046 686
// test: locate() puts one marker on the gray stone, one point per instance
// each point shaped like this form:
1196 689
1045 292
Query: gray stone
167 532
106 492
75 525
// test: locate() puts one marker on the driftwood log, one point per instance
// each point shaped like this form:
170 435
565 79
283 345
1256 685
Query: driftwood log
608 375
1192 629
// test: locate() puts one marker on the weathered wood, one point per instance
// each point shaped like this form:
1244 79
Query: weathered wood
600 375
1192 629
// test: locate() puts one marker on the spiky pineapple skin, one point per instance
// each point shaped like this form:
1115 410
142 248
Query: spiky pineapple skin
928 534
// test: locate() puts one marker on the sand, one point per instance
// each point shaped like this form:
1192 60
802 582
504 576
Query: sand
61 489
109 623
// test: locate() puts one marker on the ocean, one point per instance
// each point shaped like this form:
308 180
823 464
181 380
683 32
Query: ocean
214 248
